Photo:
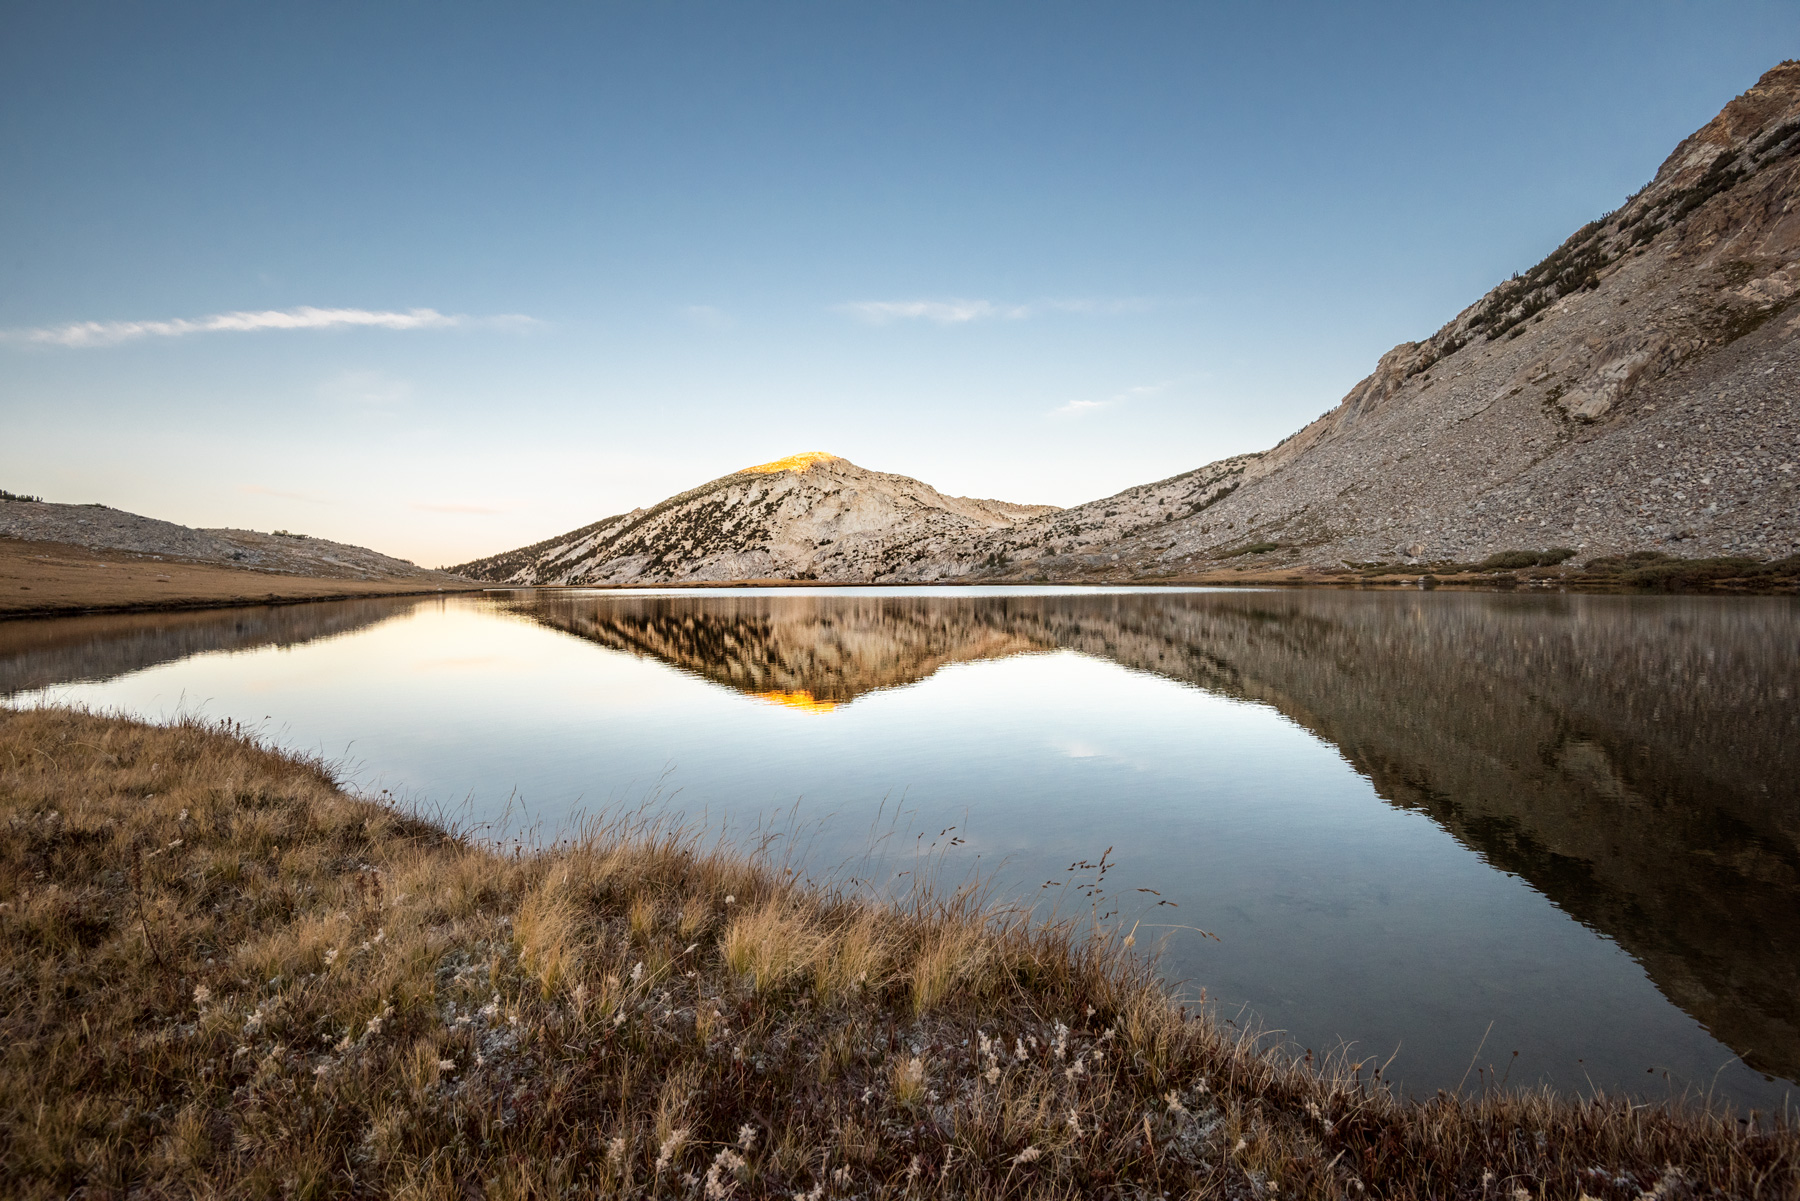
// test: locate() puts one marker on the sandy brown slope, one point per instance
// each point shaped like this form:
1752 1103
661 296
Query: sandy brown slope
46 578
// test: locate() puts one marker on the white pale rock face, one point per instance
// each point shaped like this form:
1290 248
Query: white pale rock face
809 516
1646 401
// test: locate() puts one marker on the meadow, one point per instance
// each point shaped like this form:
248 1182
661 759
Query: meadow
222 974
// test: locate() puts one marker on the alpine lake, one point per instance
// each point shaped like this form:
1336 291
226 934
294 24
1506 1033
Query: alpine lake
1476 837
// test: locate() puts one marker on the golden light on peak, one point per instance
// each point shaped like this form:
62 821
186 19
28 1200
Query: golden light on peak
801 700
799 462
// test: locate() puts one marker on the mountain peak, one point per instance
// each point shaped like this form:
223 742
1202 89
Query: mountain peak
806 460
809 516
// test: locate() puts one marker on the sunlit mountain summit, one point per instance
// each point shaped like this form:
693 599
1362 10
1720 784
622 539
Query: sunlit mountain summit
806 460
809 516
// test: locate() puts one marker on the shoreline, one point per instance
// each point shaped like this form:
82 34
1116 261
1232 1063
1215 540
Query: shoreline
211 938
1420 577
1269 581
67 580
199 604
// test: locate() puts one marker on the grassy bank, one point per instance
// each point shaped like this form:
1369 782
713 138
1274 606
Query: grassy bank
223 975
1639 572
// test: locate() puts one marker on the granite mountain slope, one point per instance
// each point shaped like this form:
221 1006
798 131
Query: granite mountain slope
1637 389
808 516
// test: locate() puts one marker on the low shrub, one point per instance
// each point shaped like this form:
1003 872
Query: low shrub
1511 560
1657 571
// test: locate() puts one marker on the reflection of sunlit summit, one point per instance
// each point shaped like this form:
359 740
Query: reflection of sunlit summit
804 461
800 652
801 700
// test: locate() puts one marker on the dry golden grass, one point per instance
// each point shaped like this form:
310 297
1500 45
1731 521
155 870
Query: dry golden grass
222 976
56 577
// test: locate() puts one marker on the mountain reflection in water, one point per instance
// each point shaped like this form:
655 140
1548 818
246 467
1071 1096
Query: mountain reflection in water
1635 759
100 646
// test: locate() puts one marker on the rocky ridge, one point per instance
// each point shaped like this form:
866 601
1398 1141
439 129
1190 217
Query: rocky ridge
101 528
808 516
1637 389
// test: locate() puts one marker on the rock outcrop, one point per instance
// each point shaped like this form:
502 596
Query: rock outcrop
809 516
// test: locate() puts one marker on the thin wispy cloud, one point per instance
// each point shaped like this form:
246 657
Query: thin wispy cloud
111 333
1103 306
1076 408
367 388
963 311
259 490
477 510
707 316
944 312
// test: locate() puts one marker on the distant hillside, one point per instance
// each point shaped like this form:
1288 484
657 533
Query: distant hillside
102 528
808 516
1638 389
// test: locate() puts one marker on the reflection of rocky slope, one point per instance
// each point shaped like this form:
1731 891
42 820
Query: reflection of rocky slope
809 516
1637 762
1639 765
828 650
36 654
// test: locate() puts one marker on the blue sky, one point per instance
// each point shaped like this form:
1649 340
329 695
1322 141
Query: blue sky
533 265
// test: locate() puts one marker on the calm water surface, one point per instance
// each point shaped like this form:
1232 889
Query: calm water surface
1567 826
